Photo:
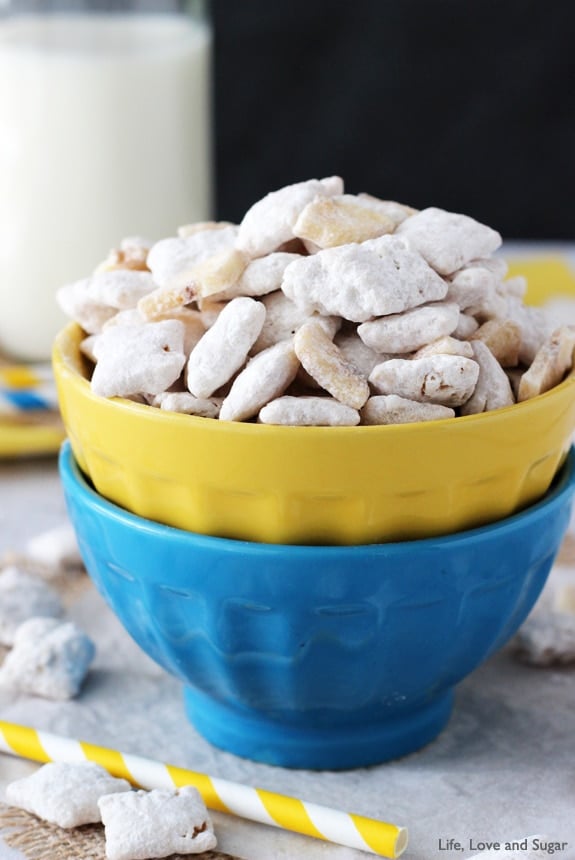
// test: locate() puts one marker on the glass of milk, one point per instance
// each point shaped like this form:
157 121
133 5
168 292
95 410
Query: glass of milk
105 132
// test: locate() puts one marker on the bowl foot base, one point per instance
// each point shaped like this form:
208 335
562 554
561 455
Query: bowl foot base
253 735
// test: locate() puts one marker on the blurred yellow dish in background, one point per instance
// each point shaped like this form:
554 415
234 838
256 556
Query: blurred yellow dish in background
547 277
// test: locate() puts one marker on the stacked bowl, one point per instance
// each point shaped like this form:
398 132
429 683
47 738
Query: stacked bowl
320 591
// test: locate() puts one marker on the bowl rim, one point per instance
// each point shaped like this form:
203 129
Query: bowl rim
74 480
64 362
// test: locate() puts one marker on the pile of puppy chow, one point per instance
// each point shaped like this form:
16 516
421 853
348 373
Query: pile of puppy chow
319 308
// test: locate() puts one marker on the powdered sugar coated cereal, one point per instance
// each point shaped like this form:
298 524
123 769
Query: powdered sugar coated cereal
23 596
49 658
224 348
157 823
65 794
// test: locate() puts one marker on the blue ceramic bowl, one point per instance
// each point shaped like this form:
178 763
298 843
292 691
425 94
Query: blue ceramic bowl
318 657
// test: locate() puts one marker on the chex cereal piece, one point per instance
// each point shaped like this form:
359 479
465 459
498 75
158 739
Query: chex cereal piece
412 329
55 548
308 411
534 326
49 658
187 404
284 317
465 327
547 638
356 352
264 378
447 240
325 363
447 345
445 379
165 299
171 260
269 222
87 347
331 221
65 794
187 230
392 409
398 212
224 347
209 310
475 289
193 322
157 823
516 287
218 273
358 282
23 596
76 301
550 364
138 359
261 276
121 289
493 389
132 254
503 337
129 316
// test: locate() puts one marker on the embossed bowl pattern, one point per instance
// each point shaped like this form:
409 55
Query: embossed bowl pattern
318 657
312 485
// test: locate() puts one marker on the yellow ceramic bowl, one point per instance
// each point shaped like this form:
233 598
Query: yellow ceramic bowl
312 485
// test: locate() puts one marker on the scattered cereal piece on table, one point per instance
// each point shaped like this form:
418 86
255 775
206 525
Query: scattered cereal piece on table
56 548
23 596
49 658
547 638
143 824
65 794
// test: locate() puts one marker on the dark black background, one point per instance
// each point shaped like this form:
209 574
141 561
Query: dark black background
464 104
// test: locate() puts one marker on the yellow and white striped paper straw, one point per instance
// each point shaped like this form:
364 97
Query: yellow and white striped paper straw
255 804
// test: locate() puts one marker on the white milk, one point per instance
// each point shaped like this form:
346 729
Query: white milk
104 133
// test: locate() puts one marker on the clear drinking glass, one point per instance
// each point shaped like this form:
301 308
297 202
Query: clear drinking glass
105 132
